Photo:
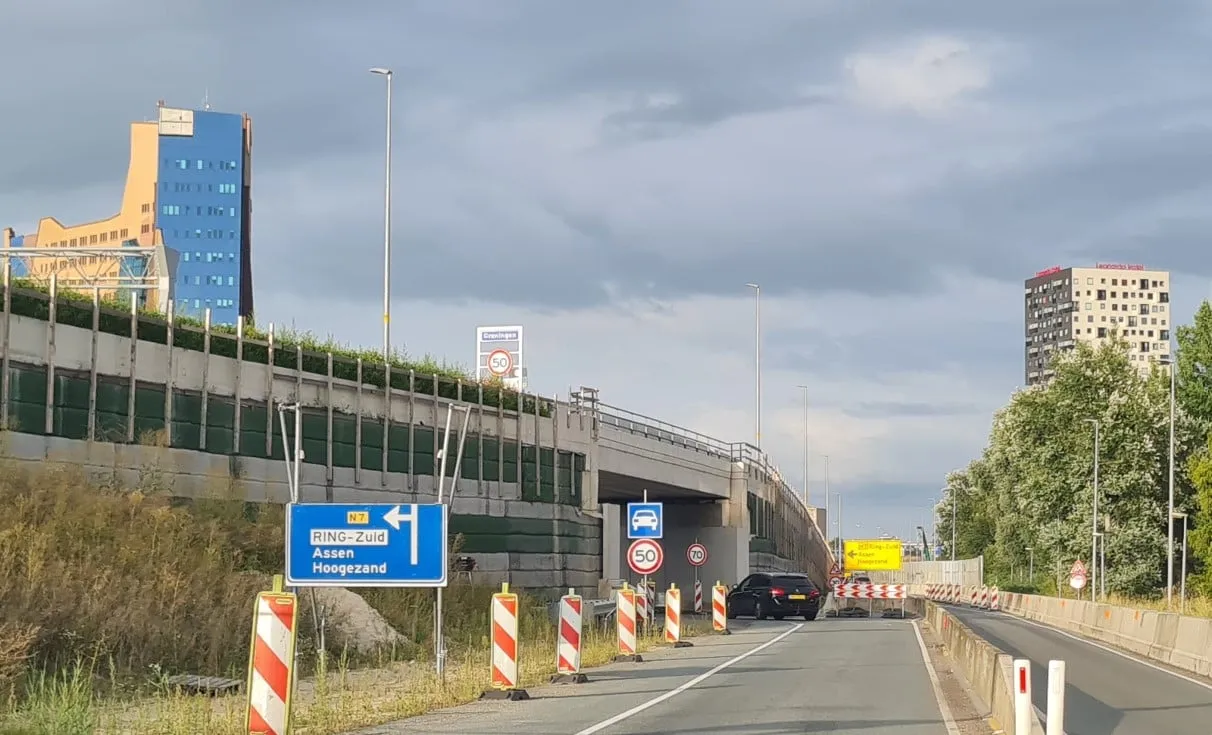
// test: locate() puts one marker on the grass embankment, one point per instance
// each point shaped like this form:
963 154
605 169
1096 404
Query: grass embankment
106 591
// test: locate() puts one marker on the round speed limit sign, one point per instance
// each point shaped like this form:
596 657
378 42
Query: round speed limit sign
696 554
645 556
500 363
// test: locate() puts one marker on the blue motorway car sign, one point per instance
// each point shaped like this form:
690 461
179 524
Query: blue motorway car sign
366 545
645 520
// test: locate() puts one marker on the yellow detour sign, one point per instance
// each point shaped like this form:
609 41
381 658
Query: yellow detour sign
876 555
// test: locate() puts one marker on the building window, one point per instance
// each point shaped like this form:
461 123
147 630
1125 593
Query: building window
145 229
185 257
200 164
231 280
232 212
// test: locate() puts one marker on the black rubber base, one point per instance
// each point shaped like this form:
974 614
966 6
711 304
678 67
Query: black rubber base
725 631
634 658
506 695
569 679
683 644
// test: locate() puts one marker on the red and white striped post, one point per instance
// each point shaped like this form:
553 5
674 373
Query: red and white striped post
643 605
673 617
504 680
568 642
698 596
1023 712
995 600
625 624
271 662
719 608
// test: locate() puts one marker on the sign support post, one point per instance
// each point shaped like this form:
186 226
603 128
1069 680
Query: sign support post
439 638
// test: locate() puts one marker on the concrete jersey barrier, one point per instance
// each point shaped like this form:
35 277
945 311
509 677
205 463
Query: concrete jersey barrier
987 669
1181 641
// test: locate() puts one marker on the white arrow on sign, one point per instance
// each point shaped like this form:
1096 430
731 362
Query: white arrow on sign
394 518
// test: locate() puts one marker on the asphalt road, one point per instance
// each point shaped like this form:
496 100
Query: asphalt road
847 677
1106 693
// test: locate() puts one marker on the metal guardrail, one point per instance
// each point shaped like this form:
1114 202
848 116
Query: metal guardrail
595 610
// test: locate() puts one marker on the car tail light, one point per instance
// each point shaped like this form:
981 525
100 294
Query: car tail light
777 592
814 593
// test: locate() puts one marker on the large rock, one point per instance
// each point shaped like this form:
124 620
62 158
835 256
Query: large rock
350 622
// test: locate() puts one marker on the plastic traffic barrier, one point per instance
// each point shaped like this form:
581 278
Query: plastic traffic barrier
504 634
673 618
625 624
719 608
271 662
568 641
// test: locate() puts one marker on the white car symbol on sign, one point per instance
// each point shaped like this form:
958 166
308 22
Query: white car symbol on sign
645 518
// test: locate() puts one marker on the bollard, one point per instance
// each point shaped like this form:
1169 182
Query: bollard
642 606
568 642
1056 698
504 634
625 624
271 662
673 617
698 596
719 608
1023 711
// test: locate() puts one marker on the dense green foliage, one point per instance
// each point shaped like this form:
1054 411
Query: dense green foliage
1033 486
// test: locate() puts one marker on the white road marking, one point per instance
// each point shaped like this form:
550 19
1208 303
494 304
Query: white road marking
692 683
1109 649
948 719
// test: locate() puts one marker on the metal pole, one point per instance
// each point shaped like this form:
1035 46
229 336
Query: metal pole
439 636
805 389
1170 516
298 446
953 504
1094 531
387 226
757 337
1030 565
1182 595
1102 565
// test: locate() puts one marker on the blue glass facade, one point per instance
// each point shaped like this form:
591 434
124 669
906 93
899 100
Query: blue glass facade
202 212
19 270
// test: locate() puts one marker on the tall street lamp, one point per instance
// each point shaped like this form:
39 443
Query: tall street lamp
805 389
757 337
1169 361
386 73
1030 565
1094 530
954 502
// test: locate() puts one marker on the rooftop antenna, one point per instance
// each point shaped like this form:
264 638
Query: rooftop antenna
206 99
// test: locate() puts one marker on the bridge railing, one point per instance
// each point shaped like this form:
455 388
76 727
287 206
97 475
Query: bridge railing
653 428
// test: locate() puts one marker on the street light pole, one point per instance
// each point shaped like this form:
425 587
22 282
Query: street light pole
805 389
953 504
1030 565
1182 594
1094 531
386 225
1170 509
757 336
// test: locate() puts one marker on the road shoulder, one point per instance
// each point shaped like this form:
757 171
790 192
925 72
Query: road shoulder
971 716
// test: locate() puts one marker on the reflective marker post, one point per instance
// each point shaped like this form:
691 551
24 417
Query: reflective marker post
1023 711
1056 698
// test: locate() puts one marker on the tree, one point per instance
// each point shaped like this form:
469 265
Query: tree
1194 388
1200 537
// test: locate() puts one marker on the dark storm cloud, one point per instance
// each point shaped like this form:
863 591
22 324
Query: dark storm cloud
299 69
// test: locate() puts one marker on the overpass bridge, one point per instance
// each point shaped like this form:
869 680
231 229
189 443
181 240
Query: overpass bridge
542 482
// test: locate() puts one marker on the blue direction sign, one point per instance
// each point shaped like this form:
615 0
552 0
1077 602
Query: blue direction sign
645 520
366 545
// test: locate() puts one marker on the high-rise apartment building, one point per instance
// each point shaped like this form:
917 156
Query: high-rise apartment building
1064 306
185 216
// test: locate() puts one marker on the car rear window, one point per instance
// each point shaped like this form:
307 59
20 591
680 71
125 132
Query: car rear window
791 581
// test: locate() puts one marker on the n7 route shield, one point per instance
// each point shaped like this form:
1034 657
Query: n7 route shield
366 545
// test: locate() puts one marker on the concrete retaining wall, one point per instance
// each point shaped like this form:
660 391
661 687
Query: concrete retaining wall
1182 641
988 670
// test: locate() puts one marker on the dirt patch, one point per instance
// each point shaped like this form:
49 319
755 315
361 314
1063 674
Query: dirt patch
971 717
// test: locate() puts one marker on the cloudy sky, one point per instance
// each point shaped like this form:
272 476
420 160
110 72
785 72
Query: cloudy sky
610 175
